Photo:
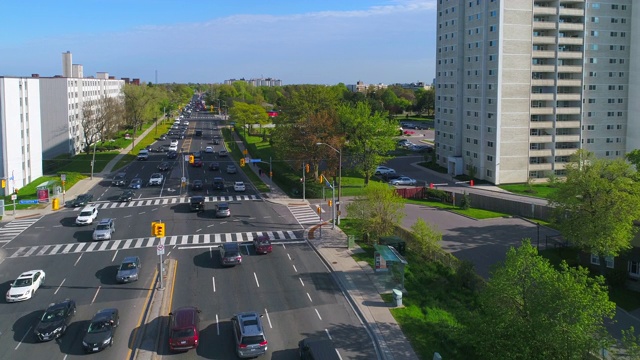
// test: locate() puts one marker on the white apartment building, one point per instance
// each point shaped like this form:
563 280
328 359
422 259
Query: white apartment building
522 84
20 133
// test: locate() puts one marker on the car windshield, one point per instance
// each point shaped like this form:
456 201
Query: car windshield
102 227
127 266
85 213
22 283
182 333
53 315
99 326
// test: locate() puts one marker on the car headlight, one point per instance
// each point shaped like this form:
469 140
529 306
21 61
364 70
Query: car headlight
106 341
57 330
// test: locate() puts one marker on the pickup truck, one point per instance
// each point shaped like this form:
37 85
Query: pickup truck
143 155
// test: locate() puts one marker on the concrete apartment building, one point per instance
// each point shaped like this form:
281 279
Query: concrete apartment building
523 84
20 133
62 100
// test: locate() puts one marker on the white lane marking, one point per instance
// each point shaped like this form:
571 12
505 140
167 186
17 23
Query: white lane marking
217 324
114 256
59 286
268 318
309 296
294 268
289 256
319 317
96 295
79 257
213 279
301 281
256 277
328 335
24 336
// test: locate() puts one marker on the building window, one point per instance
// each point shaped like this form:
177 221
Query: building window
489 173
634 268
490 144
489 158
595 260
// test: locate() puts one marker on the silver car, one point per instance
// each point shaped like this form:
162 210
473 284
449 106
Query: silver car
249 335
403 180
129 269
105 228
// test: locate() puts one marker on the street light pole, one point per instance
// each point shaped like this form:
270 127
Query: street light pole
93 161
337 203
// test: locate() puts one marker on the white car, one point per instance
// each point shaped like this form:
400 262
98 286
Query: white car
239 186
174 143
87 215
173 148
156 179
208 149
381 170
403 180
186 122
25 286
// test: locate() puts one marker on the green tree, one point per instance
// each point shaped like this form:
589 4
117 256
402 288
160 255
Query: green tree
634 158
141 104
368 137
529 310
378 211
631 344
597 204
426 237
248 114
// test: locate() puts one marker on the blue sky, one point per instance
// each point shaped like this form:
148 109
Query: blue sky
209 41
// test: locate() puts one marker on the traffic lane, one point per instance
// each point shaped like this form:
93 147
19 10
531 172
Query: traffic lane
66 277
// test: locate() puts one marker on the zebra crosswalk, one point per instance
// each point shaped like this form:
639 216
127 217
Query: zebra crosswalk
173 200
177 240
15 228
304 214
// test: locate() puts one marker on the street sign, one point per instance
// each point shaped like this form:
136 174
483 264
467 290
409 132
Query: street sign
14 197
255 160
63 177
160 249
28 202
186 158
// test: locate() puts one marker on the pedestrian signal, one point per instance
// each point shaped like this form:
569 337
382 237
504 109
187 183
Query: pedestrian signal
242 161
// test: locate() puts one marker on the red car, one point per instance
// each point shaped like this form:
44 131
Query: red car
262 245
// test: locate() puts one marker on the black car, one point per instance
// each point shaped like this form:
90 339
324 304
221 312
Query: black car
196 203
82 200
127 196
163 137
120 179
218 183
172 154
164 166
216 142
214 166
55 320
101 330
197 185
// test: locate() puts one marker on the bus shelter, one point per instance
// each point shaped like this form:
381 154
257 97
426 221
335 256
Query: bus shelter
389 266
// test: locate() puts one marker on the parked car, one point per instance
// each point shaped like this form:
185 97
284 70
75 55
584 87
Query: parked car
214 166
104 230
262 244
25 286
231 169
129 269
156 179
55 320
249 335
196 203
164 166
126 196
403 180
87 215
222 210
136 183
101 330
218 183
197 185
380 170
239 186
184 324
120 179
230 254
82 200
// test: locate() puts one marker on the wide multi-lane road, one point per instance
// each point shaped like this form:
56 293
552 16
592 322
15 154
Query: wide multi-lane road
291 287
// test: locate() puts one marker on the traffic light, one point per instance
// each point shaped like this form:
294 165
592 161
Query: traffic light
242 161
157 229
192 159
330 202
306 167
4 183
245 151
320 178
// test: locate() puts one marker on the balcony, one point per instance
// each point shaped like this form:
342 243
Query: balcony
543 82
569 82
568 124
545 166
567 138
543 54
540 153
543 68
540 138
544 25
541 111
540 124
544 10
570 41
571 11
541 96
570 26
566 97
565 152
568 110
569 55
544 40
569 69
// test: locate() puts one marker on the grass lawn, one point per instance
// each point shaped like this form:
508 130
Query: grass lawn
471 212
536 190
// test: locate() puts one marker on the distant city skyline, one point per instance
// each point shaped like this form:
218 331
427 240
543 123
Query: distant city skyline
327 42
